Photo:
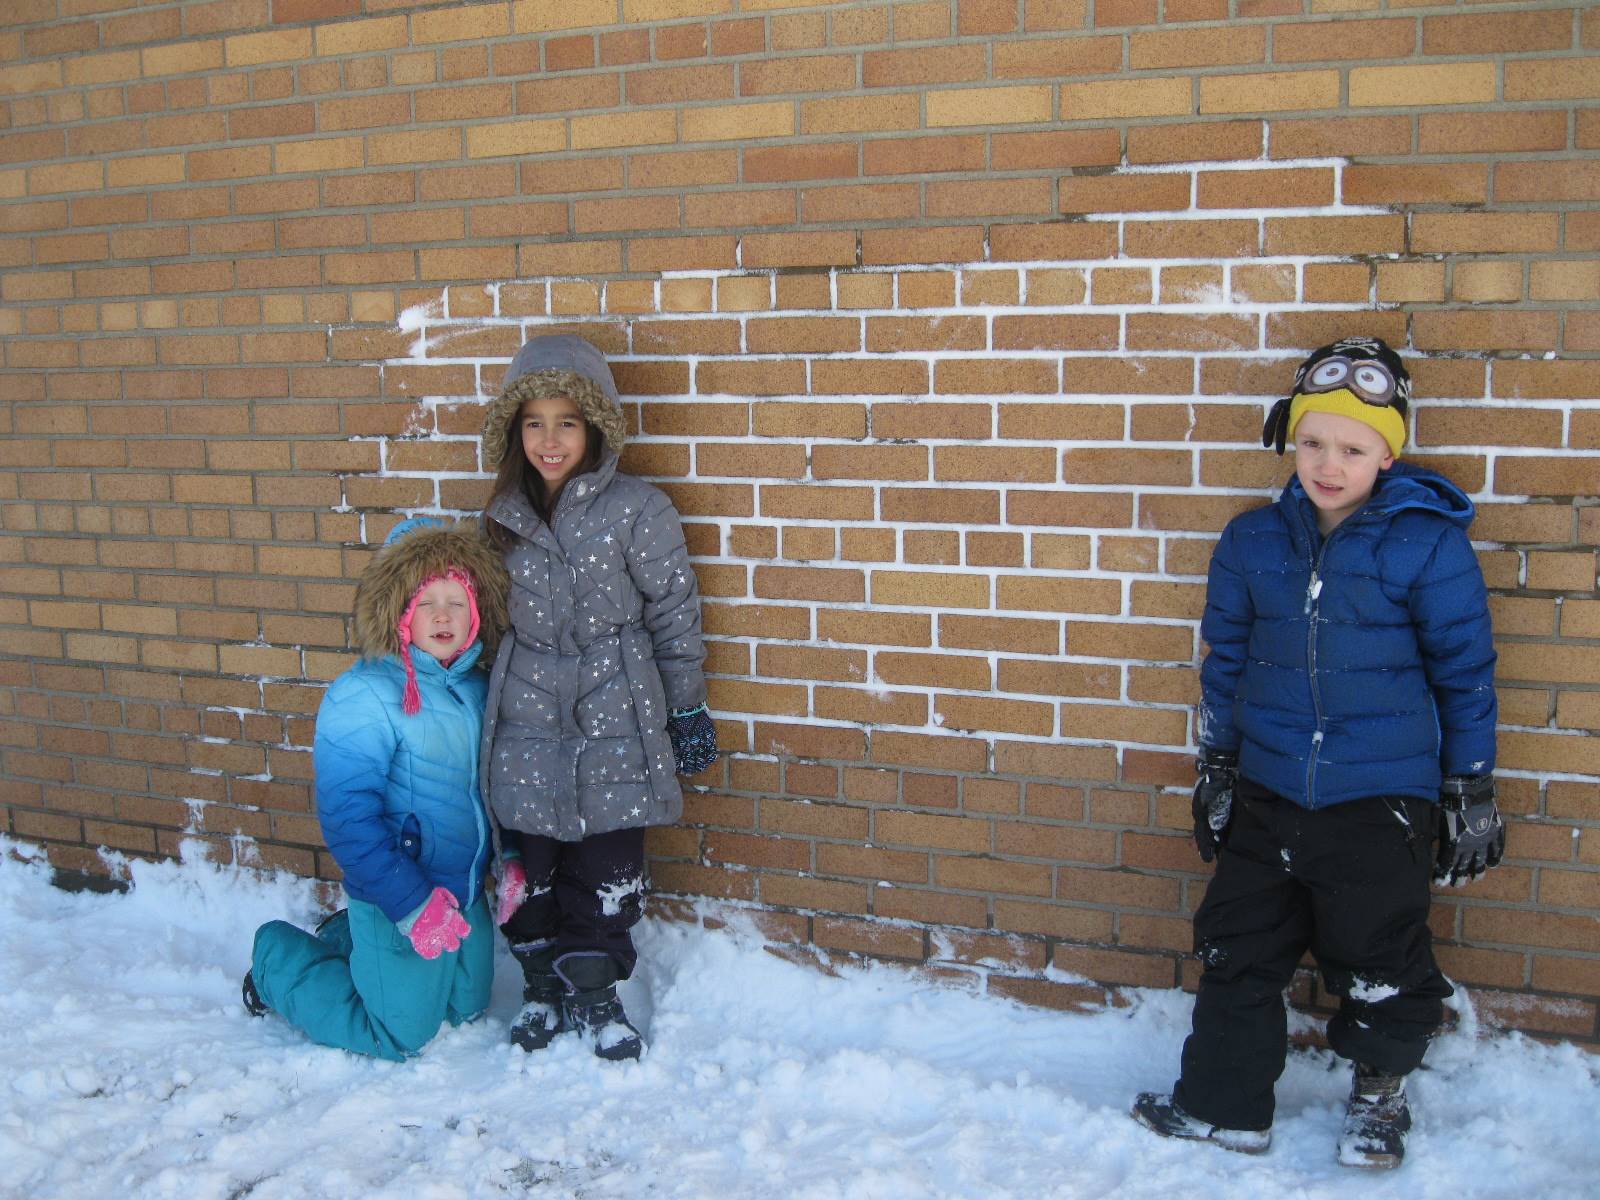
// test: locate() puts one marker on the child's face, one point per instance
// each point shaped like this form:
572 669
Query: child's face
442 619
554 438
1338 459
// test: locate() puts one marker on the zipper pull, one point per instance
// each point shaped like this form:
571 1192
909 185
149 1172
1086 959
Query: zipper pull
1313 591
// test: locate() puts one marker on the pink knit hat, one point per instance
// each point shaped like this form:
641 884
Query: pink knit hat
411 700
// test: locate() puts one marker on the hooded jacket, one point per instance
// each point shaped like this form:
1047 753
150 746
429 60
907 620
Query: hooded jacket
1357 664
398 795
605 621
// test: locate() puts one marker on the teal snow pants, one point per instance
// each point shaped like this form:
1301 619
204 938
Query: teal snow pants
358 984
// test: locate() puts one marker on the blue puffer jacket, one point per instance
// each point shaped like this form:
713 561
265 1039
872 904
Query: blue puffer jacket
1355 665
398 796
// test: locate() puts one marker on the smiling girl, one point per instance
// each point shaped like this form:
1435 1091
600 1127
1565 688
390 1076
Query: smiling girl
597 702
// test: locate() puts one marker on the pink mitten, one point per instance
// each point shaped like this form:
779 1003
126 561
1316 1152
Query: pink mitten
512 890
439 926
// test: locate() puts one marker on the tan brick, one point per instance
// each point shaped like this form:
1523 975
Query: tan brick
1267 91
516 137
1417 86
988 106
737 122
645 128
538 16
859 114
254 49
1121 99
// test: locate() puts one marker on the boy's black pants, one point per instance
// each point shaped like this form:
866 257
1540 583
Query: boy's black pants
1349 882
584 898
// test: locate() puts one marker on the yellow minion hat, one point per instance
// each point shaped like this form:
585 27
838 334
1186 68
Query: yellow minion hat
1358 377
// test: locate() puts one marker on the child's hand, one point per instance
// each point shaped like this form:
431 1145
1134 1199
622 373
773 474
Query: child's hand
1472 837
1213 799
694 740
439 926
511 891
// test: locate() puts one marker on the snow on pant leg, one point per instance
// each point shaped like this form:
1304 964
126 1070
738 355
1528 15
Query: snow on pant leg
539 917
1369 869
599 887
1249 933
469 989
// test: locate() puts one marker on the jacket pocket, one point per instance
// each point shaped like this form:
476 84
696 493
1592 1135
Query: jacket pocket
410 839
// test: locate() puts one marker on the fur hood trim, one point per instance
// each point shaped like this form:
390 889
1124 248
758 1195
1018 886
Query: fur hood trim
554 365
399 568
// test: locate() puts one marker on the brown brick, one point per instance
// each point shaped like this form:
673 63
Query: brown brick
1124 193
1209 141
1052 150
1222 45
1491 132
1340 135
1356 40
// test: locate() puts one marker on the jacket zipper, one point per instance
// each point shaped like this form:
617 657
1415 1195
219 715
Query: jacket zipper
1313 606
474 880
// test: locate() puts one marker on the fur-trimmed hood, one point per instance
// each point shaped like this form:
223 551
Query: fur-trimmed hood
554 365
418 550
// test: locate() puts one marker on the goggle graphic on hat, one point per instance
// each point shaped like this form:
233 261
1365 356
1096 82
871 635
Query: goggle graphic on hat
1357 377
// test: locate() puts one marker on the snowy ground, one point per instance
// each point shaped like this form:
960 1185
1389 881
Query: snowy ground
132 1071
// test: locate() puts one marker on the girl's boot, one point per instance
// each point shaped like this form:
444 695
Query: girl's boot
592 1007
542 1016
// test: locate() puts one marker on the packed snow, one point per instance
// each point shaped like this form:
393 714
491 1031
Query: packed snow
133 1071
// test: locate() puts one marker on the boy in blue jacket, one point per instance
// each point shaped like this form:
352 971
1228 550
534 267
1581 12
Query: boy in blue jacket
396 757
1347 711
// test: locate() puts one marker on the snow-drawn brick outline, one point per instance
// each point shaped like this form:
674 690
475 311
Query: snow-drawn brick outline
953 606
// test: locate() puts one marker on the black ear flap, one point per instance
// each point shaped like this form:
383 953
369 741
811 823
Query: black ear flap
1275 433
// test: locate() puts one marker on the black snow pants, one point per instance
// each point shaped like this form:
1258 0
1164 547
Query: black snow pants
584 899
1350 882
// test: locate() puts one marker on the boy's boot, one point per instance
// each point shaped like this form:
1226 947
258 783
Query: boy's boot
1160 1112
592 1007
541 1017
1375 1121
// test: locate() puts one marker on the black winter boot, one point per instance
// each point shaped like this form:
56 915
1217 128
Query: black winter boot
1160 1112
1375 1121
542 1016
591 1005
253 1003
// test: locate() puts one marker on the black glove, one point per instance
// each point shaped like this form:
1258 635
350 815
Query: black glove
694 740
1213 799
1472 837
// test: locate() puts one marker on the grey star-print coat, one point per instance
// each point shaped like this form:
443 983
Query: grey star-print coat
605 624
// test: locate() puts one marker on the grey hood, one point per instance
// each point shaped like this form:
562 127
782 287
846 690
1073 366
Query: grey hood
558 364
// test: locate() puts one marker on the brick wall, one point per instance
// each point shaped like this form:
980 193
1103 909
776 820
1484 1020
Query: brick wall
948 325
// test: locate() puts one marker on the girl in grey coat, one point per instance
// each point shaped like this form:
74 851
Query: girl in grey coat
597 700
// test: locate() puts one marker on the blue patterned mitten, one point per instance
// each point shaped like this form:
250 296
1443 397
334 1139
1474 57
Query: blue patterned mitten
694 739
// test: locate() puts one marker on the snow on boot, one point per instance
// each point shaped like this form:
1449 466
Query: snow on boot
1375 1121
253 1004
600 1017
541 1018
1160 1112
542 1015
591 1005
